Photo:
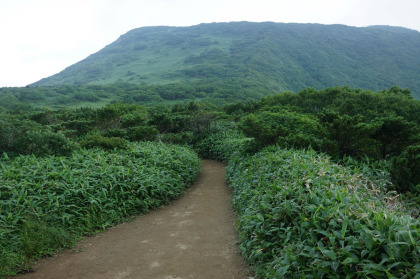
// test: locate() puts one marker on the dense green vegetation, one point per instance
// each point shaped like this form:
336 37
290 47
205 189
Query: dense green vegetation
325 181
340 121
49 202
279 56
302 216
75 96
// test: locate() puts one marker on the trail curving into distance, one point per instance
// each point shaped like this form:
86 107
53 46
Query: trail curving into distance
193 237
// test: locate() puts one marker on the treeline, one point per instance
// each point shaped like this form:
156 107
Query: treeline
213 91
60 132
341 122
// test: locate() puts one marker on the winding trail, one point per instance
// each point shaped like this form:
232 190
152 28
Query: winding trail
193 237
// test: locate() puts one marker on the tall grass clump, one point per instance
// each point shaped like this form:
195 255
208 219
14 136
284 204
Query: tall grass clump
48 203
223 144
302 216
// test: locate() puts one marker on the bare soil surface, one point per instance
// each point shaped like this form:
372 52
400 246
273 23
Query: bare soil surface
193 237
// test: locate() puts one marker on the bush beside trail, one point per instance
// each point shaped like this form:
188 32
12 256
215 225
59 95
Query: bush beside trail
48 203
302 216
224 144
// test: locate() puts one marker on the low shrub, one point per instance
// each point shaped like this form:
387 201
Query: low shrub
142 133
47 203
115 133
108 143
405 170
46 143
24 137
183 138
281 127
302 216
223 144
80 127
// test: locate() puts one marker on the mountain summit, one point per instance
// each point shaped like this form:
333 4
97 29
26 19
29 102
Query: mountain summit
282 56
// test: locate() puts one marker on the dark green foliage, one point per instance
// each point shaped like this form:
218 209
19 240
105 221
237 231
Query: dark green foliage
395 90
142 133
302 216
280 127
48 203
79 127
339 121
118 133
108 118
11 129
108 143
394 134
405 170
182 138
345 100
133 119
223 144
45 143
127 115
160 117
345 135
19 136
86 97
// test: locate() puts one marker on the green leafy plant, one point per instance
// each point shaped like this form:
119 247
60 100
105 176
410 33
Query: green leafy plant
20 136
405 170
224 144
46 203
142 133
184 138
104 142
280 127
302 216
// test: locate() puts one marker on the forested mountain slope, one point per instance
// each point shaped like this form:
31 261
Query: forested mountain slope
280 56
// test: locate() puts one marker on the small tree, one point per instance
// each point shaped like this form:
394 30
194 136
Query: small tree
394 134
405 170
345 135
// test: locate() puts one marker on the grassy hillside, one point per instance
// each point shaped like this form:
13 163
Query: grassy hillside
281 56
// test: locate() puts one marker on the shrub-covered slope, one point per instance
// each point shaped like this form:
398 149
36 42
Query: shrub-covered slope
283 56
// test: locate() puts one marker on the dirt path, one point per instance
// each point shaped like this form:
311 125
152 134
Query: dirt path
193 237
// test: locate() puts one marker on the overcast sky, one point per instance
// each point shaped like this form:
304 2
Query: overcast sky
39 38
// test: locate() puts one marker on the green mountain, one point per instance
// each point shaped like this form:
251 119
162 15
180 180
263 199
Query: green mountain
280 56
